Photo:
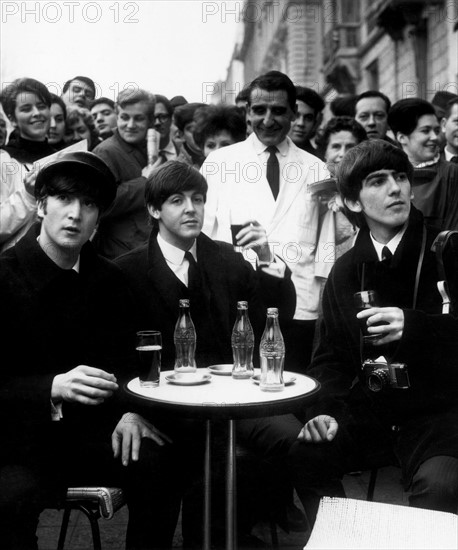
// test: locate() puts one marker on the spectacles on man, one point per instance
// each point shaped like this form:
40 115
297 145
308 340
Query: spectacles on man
162 117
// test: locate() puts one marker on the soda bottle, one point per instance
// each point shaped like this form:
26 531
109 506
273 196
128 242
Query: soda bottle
184 338
272 354
242 343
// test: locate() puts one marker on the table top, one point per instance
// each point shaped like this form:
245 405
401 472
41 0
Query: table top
224 396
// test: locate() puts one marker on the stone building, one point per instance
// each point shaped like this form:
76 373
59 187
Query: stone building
400 47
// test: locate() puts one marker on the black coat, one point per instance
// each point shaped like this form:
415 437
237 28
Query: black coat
227 279
55 320
427 413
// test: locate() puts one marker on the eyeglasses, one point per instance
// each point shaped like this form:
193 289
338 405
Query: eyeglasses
162 117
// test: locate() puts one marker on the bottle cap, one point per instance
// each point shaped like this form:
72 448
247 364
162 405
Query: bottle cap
272 311
242 305
184 303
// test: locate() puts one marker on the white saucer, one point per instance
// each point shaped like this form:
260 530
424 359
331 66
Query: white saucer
287 380
191 379
222 370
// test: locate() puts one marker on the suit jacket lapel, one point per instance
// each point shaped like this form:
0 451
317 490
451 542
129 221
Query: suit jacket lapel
162 278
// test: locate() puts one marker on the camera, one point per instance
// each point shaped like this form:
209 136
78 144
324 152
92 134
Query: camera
380 375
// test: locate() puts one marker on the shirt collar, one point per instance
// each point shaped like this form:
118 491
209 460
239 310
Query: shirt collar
169 148
260 147
448 155
172 254
391 245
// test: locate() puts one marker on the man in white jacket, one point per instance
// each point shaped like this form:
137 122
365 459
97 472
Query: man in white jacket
261 185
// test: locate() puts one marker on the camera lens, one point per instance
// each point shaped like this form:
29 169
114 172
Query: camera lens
377 380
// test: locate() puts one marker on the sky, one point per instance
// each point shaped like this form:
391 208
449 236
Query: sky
175 47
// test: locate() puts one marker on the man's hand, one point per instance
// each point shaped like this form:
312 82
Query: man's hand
29 181
127 436
390 321
83 384
253 235
148 169
320 429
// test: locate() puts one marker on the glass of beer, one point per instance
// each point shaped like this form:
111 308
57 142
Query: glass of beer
149 347
365 300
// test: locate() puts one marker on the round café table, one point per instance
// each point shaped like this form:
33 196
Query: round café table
228 398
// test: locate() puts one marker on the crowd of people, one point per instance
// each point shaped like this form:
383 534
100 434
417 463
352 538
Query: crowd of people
99 242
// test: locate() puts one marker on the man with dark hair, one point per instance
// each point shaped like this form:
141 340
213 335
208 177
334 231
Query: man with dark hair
124 225
262 184
416 128
163 113
371 111
387 373
103 112
79 91
68 345
449 124
183 117
309 116
158 274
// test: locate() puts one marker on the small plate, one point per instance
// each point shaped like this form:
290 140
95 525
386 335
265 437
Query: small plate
288 380
188 379
222 370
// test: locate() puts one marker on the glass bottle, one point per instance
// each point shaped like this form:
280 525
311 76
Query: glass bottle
242 343
184 338
272 354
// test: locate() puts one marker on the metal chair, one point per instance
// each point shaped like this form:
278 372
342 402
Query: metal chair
94 502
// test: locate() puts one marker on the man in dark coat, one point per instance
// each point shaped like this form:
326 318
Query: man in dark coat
157 274
66 352
352 426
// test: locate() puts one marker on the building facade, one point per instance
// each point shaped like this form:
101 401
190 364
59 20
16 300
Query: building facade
400 47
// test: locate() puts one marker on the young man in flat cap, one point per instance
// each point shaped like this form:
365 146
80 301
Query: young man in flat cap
66 349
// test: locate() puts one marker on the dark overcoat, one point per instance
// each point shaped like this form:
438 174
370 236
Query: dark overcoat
425 416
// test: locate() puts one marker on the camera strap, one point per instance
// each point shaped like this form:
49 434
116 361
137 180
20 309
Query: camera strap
439 245
419 266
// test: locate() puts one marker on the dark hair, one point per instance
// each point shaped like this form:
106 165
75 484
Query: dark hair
216 118
81 181
103 101
243 95
343 105
162 99
75 113
178 100
339 124
184 114
130 97
449 107
311 98
405 114
374 93
367 157
59 101
172 177
23 85
84 79
273 81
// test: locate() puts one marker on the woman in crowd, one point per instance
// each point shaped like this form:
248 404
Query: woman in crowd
217 126
80 125
57 125
3 130
26 102
338 136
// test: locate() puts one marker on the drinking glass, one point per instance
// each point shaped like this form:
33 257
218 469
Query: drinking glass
149 347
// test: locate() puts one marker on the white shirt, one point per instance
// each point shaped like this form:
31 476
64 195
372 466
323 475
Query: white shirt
175 258
448 155
391 245
170 151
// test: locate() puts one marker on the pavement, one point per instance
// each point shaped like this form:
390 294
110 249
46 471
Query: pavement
388 489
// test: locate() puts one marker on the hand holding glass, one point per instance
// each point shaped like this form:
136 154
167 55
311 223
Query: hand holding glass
149 347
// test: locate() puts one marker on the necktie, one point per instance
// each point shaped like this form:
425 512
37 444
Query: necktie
193 272
273 171
454 159
386 256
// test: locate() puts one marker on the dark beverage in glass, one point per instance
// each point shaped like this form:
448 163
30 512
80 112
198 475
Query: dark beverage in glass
365 300
234 230
149 348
